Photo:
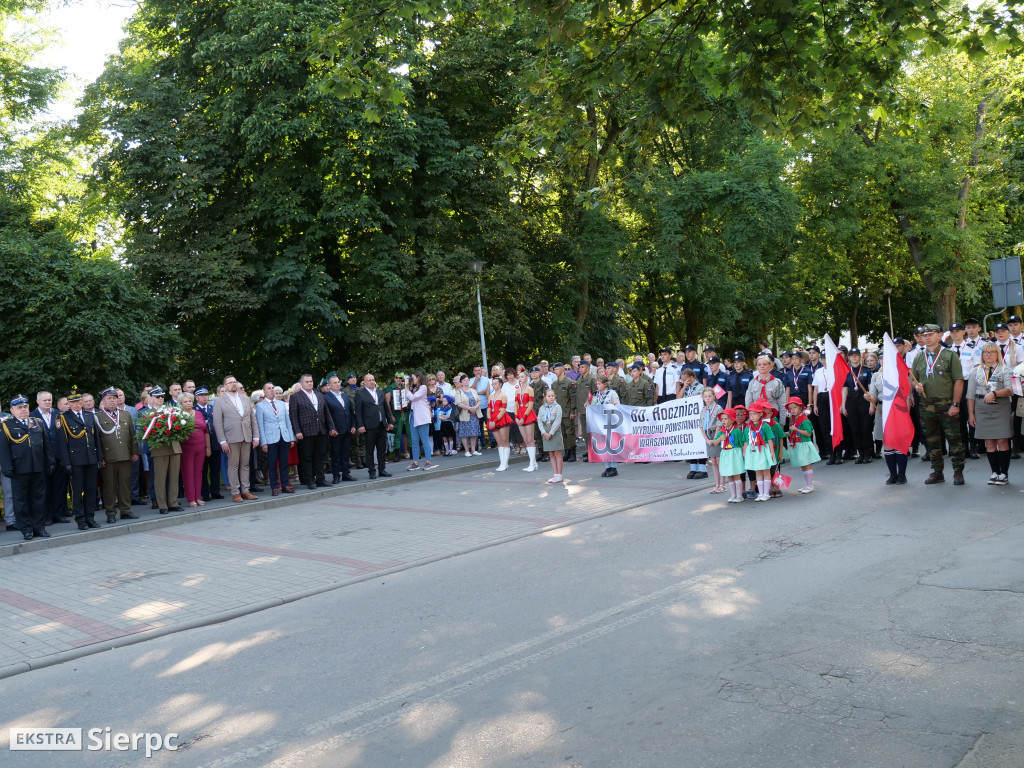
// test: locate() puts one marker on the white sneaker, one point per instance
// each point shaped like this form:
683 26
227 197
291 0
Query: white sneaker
1003 480
761 498
477 453
994 479
469 455
734 500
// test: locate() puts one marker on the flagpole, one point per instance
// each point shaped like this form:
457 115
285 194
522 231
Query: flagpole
888 297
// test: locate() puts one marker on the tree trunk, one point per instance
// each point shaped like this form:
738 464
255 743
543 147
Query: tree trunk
945 306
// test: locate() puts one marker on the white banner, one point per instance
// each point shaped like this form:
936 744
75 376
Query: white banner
668 431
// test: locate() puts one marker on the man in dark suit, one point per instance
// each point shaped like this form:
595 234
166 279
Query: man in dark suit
374 418
25 456
57 479
344 427
210 485
80 453
311 422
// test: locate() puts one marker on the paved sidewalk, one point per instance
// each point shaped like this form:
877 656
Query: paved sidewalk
62 602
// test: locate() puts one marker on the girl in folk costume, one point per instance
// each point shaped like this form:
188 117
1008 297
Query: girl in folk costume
729 440
526 417
741 422
802 452
771 418
759 450
709 424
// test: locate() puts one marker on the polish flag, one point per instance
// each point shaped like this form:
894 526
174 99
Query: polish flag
897 428
836 370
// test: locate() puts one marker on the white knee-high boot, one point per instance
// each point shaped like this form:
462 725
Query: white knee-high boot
503 454
532 451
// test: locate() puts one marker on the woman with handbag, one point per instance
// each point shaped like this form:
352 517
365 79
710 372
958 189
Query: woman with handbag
467 403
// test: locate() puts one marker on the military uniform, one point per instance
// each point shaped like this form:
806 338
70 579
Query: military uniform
26 455
565 396
640 392
616 383
357 453
80 453
585 388
938 374
398 398
117 439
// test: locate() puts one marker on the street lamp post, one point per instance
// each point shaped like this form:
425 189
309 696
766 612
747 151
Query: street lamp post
477 267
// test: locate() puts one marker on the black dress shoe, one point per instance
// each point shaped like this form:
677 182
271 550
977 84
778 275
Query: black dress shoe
867 460
891 480
373 475
256 489
129 516
690 475
42 533
385 474
27 535
859 460
92 523
137 502
83 527
311 486
58 520
973 455
175 508
322 484
13 528
336 479
901 479
163 511
830 461
839 461
610 472
701 476
348 479
111 519
216 496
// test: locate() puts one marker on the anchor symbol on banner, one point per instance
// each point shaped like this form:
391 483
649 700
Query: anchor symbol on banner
612 419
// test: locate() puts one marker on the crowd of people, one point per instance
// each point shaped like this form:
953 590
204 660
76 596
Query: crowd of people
68 455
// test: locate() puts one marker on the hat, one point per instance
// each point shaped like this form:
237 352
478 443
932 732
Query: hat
585 362
154 392
19 400
714 359
755 408
202 391
560 365
737 355
814 348
665 349
919 329
636 367
449 399
536 369
972 321
611 364
730 412
709 348
323 382
854 351
795 401
351 375
1002 327
108 391
73 395
930 328
957 327
899 340
786 353
740 407
1013 319
689 348
843 348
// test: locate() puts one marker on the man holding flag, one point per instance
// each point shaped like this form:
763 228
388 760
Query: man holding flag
838 370
897 426
938 380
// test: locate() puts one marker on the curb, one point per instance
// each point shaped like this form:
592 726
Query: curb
261 505
59 658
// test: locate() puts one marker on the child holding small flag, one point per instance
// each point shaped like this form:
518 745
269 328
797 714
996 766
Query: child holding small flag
729 440
759 450
802 452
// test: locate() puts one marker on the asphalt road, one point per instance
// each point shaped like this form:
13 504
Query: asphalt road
859 626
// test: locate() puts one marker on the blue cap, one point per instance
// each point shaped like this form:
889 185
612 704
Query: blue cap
19 400
156 392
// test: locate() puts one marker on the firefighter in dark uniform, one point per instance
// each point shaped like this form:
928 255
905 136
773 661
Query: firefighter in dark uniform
586 384
639 390
855 408
565 396
718 376
80 453
26 456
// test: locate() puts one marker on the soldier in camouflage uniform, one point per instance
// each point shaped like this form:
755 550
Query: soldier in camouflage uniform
357 455
615 380
639 390
565 396
586 384
940 383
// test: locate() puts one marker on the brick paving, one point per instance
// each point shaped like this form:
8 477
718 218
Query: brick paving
84 593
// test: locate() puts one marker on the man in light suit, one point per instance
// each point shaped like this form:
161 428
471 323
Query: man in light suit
312 423
375 420
234 422
344 428
277 438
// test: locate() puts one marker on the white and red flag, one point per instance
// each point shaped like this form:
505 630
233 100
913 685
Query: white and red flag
836 371
897 428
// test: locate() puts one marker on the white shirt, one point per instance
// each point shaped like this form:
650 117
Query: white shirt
509 390
820 380
666 378
447 389
966 350
913 353
550 378
311 394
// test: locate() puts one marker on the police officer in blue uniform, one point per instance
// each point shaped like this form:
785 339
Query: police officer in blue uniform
799 375
80 453
741 378
718 376
210 484
26 457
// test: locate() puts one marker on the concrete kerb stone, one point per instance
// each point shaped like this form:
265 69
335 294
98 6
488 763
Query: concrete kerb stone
59 658
216 513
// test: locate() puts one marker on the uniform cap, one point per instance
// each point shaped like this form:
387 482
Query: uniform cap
709 348
899 340
108 391
73 395
19 400
154 392
202 391
972 321
815 348
636 367
536 369
666 349
1013 319
690 348
714 359
854 351
957 327
919 329
737 355
930 328
1002 327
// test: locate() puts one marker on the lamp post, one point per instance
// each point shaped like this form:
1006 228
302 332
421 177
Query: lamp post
477 267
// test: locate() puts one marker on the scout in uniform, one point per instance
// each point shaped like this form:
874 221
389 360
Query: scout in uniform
539 385
639 390
117 439
80 453
25 457
357 454
615 381
565 395
938 380
586 384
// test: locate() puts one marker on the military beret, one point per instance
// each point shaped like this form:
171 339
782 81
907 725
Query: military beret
537 369
154 392
611 364
585 362
636 367
19 400
351 375
562 365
